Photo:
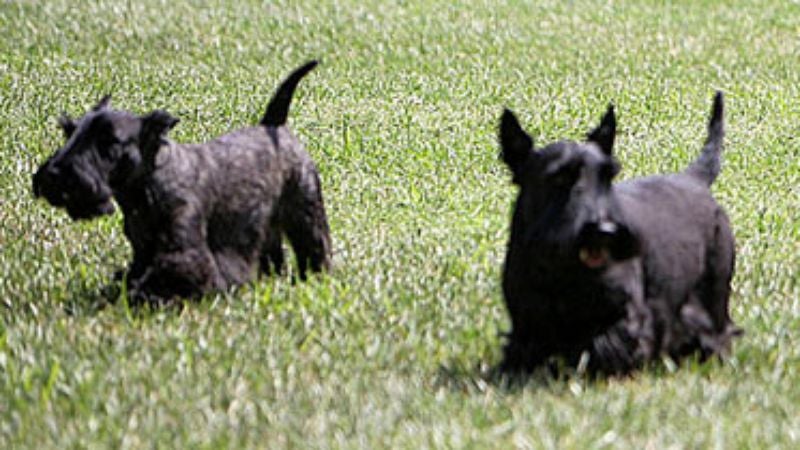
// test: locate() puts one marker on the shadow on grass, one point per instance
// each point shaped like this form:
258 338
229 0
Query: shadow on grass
77 299
82 301
91 301
557 376
483 377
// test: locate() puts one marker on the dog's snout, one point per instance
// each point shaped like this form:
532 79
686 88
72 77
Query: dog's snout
47 171
47 183
600 227
607 227
38 180
595 232
35 182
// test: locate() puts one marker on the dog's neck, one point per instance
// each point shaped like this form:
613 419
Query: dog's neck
129 179
131 192
129 175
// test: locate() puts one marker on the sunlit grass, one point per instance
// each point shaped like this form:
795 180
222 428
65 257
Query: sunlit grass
388 350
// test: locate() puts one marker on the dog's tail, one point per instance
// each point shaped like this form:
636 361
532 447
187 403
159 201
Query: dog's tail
278 108
707 166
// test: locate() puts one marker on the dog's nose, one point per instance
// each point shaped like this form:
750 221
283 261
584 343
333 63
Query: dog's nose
597 231
607 227
37 183
43 180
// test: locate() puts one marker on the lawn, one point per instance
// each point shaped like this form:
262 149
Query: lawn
390 349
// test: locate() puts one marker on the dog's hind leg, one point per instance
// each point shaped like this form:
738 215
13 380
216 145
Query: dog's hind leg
698 331
306 225
711 296
720 264
272 257
629 343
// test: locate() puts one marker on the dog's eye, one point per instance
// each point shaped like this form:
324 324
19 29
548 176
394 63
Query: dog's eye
563 179
565 176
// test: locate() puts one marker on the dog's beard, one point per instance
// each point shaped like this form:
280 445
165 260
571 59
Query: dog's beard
89 210
604 244
594 257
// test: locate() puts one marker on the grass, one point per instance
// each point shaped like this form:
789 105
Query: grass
387 351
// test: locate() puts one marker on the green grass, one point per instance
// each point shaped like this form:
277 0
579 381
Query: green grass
388 350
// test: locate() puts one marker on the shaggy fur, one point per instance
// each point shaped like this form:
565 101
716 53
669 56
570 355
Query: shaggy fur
199 217
621 273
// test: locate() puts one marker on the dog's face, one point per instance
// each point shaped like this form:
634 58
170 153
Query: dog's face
566 206
102 150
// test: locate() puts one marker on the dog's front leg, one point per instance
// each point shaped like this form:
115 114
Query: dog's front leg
528 347
182 265
135 269
187 273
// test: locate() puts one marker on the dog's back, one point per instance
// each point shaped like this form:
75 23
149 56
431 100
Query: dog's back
687 249
252 186
687 253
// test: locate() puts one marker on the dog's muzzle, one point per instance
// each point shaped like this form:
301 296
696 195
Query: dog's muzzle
82 201
602 243
44 185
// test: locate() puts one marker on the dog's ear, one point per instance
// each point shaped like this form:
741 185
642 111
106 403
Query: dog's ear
516 146
67 125
605 133
103 103
154 127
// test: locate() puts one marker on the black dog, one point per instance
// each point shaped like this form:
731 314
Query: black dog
199 217
619 273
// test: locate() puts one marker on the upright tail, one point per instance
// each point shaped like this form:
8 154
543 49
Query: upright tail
707 166
278 108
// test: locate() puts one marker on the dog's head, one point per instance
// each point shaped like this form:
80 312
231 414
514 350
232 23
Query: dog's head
104 149
566 205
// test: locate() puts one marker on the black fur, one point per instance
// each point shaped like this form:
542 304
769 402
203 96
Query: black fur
199 216
278 108
621 273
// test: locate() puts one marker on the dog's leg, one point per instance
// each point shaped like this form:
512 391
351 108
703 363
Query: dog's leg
623 347
182 264
719 271
272 257
705 315
185 273
698 330
529 343
306 226
134 270
520 356
628 343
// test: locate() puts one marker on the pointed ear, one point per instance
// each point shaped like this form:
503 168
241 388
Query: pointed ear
604 134
516 146
67 125
154 127
159 121
103 103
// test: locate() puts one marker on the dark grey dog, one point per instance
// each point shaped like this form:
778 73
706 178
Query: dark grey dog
200 217
619 273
